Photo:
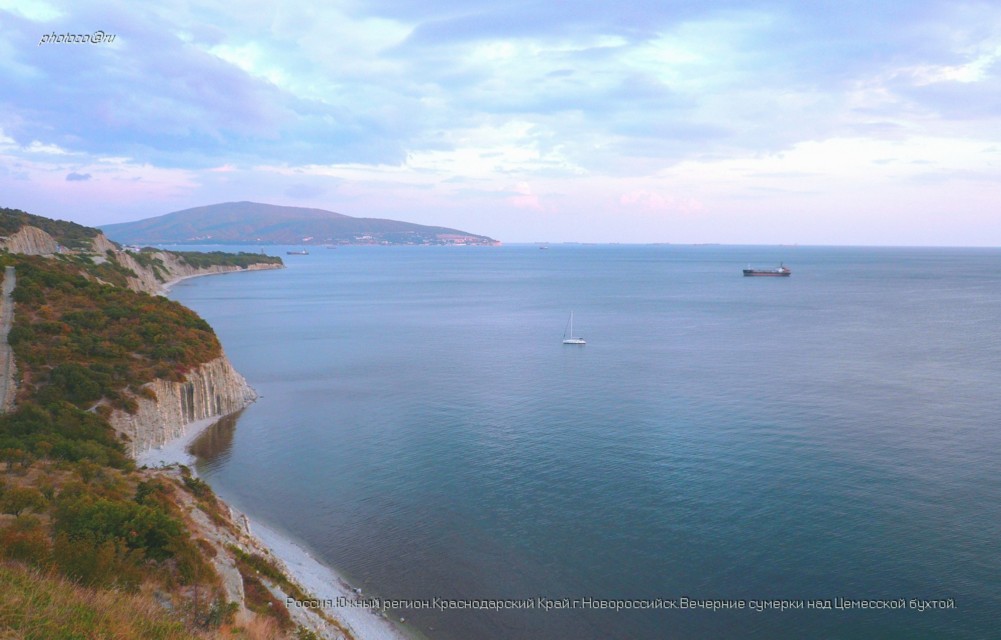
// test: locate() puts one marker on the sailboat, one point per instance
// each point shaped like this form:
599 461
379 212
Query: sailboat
568 336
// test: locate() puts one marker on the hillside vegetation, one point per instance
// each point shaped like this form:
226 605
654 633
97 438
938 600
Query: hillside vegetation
69 234
81 341
43 606
91 547
201 260
72 502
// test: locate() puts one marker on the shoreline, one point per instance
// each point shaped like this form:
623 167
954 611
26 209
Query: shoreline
325 583
319 580
176 450
167 286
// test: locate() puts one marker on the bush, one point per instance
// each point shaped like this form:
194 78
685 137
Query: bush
61 431
17 500
140 527
26 541
102 340
94 563
76 383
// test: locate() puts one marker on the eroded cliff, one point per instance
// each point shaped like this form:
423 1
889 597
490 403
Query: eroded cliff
172 268
211 390
89 355
165 408
30 241
152 273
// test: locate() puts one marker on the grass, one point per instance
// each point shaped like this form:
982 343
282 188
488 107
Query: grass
40 606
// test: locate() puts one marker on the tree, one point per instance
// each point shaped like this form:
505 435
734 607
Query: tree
17 500
14 456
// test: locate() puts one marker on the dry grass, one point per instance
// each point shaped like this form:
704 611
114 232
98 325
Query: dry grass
37 606
261 628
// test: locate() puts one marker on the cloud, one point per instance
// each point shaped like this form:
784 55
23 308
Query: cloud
77 177
302 191
288 85
366 102
154 94
642 200
524 198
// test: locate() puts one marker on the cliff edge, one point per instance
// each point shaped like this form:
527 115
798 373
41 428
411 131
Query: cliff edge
150 271
171 267
30 241
211 390
165 408
107 372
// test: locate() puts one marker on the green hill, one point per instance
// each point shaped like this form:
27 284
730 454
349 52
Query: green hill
68 234
90 546
252 222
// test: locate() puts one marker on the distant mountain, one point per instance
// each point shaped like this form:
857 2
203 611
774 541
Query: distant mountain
253 222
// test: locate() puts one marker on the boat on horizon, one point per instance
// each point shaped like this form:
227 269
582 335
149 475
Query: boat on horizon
568 336
781 271
297 253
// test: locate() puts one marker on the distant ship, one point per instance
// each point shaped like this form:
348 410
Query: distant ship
568 336
297 253
781 271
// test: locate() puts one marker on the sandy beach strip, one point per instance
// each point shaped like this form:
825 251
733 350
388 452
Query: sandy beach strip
176 451
326 585
168 285
316 579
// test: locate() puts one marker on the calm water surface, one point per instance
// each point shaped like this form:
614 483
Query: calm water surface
830 435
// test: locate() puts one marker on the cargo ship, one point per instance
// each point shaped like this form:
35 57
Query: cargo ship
782 270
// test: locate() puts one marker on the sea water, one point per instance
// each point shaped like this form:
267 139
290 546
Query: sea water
826 439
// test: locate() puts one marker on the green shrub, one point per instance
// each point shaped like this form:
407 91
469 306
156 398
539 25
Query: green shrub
93 563
203 259
17 500
26 541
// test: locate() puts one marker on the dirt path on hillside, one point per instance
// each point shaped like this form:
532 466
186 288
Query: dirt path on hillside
6 353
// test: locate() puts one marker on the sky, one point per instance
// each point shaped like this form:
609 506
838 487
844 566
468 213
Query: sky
682 121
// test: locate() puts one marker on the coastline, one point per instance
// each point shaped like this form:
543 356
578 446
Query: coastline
176 451
325 584
167 286
316 579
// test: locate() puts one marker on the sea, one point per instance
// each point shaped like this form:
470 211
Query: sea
816 456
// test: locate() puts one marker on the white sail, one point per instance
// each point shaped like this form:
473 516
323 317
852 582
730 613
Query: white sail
568 336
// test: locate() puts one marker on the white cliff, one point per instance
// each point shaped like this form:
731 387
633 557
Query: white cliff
211 390
30 241
174 268
170 267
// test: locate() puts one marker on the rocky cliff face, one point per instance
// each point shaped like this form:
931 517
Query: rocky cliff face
212 390
102 244
176 269
33 241
30 241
